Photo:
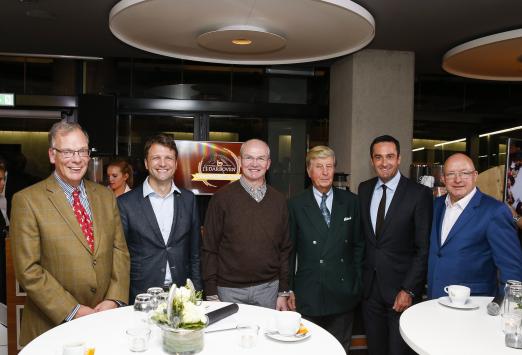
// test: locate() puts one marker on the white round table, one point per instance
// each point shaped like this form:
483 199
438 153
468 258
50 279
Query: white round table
430 328
105 331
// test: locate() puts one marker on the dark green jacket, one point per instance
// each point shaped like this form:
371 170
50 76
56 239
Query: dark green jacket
325 270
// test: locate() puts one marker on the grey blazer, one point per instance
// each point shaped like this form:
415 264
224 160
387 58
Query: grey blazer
148 251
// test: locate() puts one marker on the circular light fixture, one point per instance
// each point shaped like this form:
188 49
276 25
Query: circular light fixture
494 57
241 40
280 32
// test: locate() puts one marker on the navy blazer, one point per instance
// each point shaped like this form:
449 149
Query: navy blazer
483 239
148 251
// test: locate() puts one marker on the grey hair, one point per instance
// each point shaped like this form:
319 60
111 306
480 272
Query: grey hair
64 127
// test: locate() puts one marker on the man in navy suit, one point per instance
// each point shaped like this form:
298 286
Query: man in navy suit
161 224
395 221
473 236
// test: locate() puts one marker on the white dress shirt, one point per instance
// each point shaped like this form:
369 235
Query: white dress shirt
164 211
319 196
452 213
391 187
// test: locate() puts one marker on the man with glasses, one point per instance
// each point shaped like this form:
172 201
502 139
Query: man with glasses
473 239
69 251
246 245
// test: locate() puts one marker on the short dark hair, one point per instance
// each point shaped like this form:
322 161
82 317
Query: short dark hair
386 138
166 140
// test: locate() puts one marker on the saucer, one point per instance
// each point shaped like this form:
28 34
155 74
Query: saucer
445 301
287 338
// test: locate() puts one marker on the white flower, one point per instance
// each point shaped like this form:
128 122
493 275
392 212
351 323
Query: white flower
192 313
183 294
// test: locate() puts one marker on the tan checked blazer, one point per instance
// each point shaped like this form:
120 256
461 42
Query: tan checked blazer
52 259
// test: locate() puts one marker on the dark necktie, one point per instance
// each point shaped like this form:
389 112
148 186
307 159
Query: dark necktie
83 218
324 210
380 213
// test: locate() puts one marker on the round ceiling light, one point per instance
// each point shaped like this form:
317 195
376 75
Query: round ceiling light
494 57
271 31
241 40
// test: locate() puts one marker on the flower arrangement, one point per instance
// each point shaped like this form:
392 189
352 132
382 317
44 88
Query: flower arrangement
181 320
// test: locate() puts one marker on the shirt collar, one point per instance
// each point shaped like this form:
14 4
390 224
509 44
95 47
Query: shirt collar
319 194
68 189
463 202
148 190
391 184
257 193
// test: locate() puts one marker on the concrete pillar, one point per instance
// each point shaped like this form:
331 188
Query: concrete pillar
371 94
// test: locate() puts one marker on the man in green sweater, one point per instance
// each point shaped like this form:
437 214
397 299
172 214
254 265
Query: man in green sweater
246 245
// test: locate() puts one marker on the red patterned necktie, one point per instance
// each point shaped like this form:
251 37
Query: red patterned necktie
83 219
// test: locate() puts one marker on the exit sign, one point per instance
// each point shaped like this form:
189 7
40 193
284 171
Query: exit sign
6 99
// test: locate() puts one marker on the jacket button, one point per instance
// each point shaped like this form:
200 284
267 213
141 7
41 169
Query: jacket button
321 261
94 262
342 278
168 248
342 260
162 269
93 290
314 242
346 240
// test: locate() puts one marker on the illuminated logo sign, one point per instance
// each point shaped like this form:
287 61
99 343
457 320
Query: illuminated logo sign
221 164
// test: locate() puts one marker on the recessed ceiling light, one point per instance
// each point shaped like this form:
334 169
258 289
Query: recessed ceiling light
242 41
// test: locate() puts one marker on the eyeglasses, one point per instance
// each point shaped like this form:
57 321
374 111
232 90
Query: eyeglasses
249 159
464 175
67 154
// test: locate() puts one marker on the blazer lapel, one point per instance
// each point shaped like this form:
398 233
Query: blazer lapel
466 215
366 211
337 217
438 222
94 204
395 203
59 201
314 214
178 213
146 207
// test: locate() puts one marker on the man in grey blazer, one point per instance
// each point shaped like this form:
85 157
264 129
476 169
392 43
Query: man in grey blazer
161 223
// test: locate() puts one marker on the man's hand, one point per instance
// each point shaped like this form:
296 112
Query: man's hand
281 304
291 302
402 301
105 305
83 311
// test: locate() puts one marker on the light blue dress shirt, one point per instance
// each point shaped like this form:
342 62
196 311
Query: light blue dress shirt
319 196
391 187
164 211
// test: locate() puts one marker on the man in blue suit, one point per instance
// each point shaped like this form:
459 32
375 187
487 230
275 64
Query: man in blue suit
473 237
161 224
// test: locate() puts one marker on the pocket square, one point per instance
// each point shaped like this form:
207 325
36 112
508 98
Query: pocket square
347 218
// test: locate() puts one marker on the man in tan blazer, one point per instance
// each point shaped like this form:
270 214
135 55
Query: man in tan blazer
69 251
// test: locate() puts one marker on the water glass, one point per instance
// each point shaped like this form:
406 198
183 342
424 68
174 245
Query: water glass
138 339
248 334
154 292
143 306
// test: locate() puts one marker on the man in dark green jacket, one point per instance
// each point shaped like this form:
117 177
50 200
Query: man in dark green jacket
325 270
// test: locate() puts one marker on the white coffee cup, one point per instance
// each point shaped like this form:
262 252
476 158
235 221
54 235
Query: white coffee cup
74 348
458 294
288 322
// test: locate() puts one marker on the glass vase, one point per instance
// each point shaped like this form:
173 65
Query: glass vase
182 341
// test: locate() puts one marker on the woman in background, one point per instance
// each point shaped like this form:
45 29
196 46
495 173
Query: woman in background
120 176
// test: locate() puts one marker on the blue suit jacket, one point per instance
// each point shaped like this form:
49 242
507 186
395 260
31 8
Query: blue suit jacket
482 241
148 252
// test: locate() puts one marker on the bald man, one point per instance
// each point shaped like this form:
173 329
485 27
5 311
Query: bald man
246 243
473 238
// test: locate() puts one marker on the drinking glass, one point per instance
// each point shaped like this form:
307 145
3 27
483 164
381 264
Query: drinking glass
154 292
143 306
